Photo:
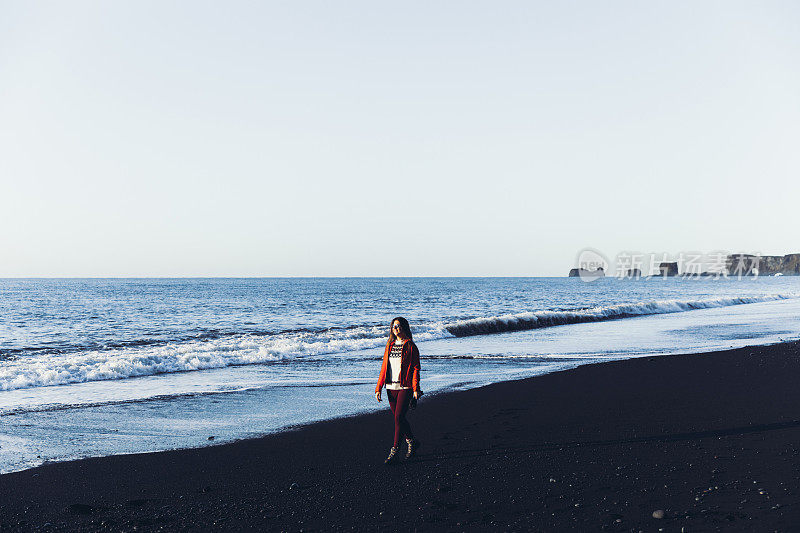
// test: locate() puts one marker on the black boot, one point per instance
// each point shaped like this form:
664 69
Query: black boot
413 446
393 457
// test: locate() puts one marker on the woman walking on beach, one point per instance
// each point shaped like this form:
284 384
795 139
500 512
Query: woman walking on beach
400 374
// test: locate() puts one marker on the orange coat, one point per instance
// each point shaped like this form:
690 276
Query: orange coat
409 366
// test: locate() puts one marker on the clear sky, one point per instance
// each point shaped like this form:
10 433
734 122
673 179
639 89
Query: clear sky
376 138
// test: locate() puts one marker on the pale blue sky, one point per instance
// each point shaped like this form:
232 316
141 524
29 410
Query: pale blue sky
376 138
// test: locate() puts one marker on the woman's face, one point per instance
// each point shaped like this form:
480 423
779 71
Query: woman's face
397 330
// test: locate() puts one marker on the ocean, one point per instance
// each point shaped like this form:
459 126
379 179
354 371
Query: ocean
93 367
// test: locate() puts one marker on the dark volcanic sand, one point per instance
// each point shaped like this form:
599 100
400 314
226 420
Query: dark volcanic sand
711 439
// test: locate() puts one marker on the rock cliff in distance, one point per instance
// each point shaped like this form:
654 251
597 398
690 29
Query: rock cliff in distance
764 265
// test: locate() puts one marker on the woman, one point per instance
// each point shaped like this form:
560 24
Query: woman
400 374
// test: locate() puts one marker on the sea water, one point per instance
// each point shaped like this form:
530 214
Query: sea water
93 367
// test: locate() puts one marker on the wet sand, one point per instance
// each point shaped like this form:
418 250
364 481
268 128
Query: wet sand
709 440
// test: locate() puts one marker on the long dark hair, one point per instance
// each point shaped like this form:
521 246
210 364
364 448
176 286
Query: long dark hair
404 327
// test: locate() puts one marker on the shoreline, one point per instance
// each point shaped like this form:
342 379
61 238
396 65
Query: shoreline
177 409
708 438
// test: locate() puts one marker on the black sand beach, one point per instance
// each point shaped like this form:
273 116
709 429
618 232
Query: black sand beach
710 440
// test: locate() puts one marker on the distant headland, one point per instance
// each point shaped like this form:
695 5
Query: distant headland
767 265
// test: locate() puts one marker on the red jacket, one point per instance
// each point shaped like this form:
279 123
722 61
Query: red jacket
409 366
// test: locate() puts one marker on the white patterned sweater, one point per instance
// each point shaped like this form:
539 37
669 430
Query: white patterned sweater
393 372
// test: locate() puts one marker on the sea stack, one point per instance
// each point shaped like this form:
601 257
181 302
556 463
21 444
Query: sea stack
668 269
584 273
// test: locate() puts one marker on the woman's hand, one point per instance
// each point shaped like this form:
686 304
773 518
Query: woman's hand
417 394
378 395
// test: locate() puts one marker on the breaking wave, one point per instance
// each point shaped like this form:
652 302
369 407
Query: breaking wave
41 370
544 319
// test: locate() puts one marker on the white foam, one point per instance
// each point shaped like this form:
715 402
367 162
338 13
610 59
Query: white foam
47 370
540 319
41 370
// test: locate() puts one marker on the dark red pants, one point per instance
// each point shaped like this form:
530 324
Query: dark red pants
398 401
